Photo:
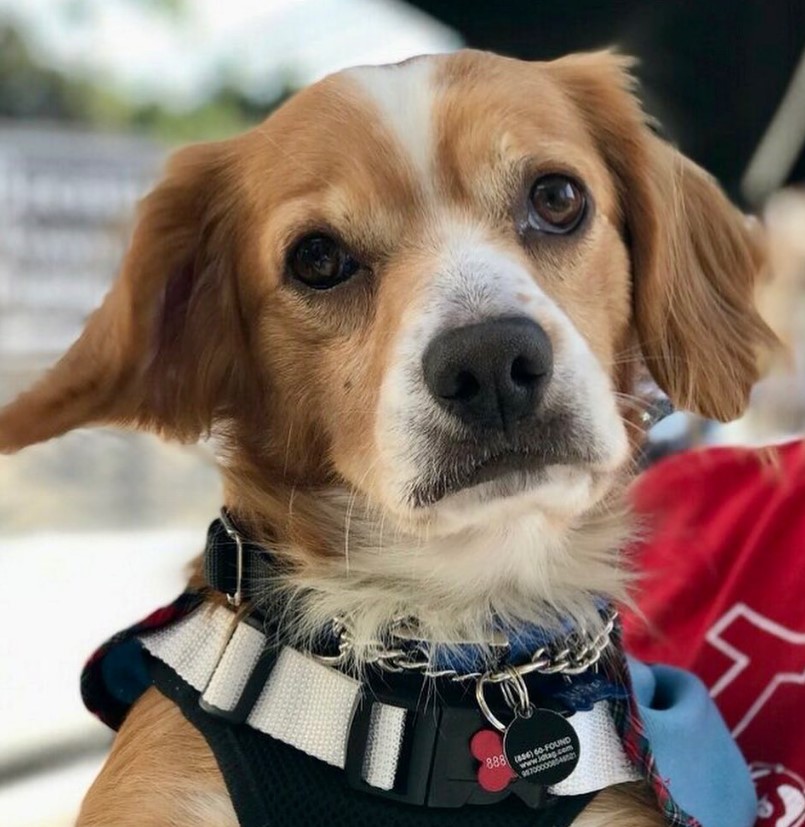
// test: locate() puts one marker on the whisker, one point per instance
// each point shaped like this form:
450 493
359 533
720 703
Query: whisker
287 451
351 508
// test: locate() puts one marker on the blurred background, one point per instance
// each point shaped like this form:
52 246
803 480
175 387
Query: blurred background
95 529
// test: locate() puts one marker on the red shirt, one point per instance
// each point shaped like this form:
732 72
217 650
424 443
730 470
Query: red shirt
724 596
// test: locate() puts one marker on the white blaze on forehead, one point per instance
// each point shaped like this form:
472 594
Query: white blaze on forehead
473 280
403 94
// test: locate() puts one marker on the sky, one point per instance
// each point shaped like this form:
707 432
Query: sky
256 44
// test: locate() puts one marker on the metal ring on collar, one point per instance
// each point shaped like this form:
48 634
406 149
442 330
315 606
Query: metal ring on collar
515 692
484 706
235 598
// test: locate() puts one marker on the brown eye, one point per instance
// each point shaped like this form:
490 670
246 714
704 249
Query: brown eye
321 262
558 204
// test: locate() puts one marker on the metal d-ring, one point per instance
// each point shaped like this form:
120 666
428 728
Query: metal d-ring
236 598
484 706
514 690
515 685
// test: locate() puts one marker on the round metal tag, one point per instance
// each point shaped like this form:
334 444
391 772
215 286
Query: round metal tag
542 748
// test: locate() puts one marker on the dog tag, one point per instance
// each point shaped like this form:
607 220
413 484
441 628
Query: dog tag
541 747
494 774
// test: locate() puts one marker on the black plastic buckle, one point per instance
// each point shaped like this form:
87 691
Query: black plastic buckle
416 752
435 767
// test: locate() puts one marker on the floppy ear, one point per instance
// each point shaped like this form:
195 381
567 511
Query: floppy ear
160 351
695 258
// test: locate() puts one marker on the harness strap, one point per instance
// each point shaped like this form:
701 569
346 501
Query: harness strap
310 706
274 785
303 703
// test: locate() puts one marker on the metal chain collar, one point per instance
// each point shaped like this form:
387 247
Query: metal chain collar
571 655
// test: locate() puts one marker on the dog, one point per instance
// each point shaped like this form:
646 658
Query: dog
408 311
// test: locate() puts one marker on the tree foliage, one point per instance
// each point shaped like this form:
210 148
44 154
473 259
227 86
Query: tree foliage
32 91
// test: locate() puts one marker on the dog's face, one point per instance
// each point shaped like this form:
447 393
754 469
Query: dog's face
446 287
427 284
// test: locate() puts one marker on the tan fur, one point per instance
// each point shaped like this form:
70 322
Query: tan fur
628 805
159 773
204 334
695 258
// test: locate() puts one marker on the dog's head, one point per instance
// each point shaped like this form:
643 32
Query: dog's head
425 285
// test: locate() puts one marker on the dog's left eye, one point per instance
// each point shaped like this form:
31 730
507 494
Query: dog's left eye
557 203
321 262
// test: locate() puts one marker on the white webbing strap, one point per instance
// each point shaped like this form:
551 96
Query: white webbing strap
310 706
227 682
304 703
602 761
192 647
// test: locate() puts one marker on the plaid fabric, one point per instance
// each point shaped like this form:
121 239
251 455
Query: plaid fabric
115 676
629 725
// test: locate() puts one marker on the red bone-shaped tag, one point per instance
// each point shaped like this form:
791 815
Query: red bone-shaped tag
494 774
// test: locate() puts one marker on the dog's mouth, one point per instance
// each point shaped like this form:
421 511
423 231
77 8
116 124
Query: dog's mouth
514 465
518 467
500 465
513 471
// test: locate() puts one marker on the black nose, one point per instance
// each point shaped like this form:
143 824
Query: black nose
490 374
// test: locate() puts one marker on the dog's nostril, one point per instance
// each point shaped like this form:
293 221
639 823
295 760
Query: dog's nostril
524 372
465 388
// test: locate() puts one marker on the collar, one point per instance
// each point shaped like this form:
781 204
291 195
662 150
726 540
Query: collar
378 730
232 564
238 568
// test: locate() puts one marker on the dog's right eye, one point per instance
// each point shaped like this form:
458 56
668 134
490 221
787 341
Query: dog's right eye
321 262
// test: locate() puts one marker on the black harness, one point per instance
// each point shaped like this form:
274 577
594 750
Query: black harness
274 785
